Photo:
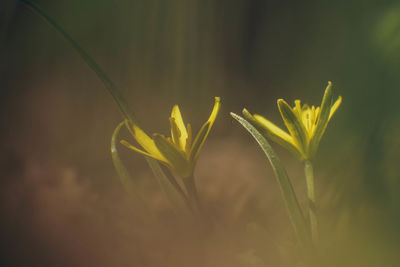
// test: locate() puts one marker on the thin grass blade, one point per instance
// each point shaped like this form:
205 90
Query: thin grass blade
107 82
126 180
292 205
176 199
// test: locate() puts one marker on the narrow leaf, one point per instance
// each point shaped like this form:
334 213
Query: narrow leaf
292 205
177 200
107 82
126 180
273 132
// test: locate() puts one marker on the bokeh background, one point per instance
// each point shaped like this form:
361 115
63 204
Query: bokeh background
61 200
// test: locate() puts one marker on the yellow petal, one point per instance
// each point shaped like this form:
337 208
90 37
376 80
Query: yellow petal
198 142
313 115
335 106
297 107
214 112
177 117
273 132
323 120
176 159
294 125
189 139
175 132
146 142
317 113
203 133
326 105
305 107
125 143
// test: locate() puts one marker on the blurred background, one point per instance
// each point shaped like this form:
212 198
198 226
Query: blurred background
61 200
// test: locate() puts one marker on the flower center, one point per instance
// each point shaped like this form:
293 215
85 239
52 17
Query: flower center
308 116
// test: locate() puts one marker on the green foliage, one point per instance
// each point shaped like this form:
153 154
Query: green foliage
162 179
295 214
126 180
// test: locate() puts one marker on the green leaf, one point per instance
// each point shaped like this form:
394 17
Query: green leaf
114 92
126 180
292 205
107 82
176 199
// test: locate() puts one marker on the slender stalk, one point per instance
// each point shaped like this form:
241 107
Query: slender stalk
119 99
173 181
309 172
191 188
289 196
138 202
108 83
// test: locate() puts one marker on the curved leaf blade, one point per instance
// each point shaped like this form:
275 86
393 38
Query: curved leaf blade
126 179
174 196
111 88
292 205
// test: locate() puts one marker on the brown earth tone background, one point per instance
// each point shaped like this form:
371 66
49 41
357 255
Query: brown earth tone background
61 203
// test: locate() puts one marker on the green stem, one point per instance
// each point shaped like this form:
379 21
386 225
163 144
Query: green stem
309 172
176 185
108 83
289 196
191 188
170 191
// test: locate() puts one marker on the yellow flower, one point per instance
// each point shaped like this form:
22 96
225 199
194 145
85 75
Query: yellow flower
177 152
306 124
